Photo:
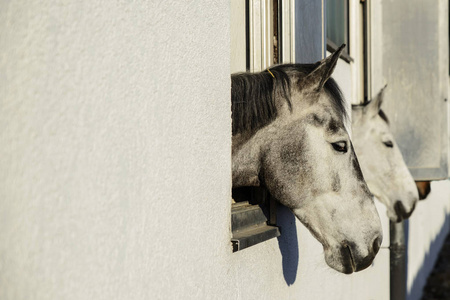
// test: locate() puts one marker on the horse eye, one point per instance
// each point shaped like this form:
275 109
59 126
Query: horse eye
388 144
340 146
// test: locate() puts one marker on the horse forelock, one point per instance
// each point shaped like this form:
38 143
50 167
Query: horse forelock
254 96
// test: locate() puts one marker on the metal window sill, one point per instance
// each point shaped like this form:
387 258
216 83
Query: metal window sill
249 226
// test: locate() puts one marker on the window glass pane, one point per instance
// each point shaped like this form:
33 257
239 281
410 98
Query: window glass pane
337 21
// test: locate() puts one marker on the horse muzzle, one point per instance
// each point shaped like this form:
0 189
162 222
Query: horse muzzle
351 259
402 213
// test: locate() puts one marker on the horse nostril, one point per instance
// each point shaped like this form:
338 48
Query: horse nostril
376 245
400 210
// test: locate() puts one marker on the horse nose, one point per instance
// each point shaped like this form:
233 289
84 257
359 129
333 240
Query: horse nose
360 262
402 214
367 261
376 244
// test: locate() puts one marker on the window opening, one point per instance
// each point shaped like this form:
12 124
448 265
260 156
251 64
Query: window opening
253 212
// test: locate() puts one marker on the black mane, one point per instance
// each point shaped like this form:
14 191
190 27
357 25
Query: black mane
253 95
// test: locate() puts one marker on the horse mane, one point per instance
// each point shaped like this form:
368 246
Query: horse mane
253 95
252 98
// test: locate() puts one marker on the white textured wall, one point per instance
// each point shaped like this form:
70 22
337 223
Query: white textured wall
115 133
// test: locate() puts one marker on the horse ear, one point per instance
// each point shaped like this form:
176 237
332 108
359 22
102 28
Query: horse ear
319 76
374 106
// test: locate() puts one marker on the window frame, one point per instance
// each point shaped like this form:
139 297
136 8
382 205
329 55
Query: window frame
269 40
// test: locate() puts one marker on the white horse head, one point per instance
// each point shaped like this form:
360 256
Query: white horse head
289 135
382 163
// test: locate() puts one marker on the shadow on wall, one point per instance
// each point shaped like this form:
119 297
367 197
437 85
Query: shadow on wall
288 243
428 263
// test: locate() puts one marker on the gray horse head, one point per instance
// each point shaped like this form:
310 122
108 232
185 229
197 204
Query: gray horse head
296 145
382 163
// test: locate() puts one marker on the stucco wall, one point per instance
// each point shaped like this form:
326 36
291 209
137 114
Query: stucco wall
115 149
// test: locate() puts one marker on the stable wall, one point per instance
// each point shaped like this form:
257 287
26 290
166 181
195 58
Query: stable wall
116 162
115 150
428 227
